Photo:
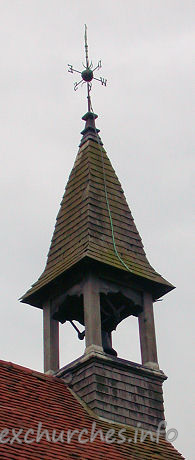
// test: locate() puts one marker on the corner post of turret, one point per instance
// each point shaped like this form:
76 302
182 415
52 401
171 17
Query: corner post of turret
50 339
92 314
147 333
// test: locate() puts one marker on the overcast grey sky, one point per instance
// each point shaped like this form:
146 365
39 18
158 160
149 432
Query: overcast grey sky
146 123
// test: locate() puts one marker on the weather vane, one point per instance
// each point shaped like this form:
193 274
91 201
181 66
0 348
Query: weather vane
87 74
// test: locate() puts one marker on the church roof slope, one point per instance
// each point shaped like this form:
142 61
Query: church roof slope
32 402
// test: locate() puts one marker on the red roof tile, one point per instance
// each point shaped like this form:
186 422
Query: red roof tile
28 398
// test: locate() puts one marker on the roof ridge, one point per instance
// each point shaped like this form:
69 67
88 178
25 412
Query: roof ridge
26 370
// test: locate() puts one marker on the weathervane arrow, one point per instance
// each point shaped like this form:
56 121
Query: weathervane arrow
87 75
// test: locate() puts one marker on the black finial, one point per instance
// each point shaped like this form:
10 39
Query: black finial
87 74
90 132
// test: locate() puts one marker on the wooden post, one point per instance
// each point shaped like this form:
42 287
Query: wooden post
92 314
147 333
50 339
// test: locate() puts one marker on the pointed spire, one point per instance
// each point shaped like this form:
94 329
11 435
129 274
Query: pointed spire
94 224
83 229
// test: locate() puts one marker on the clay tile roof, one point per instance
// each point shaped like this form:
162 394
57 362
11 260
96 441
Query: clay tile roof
83 227
28 398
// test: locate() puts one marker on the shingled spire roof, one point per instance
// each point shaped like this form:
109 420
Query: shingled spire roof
83 228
